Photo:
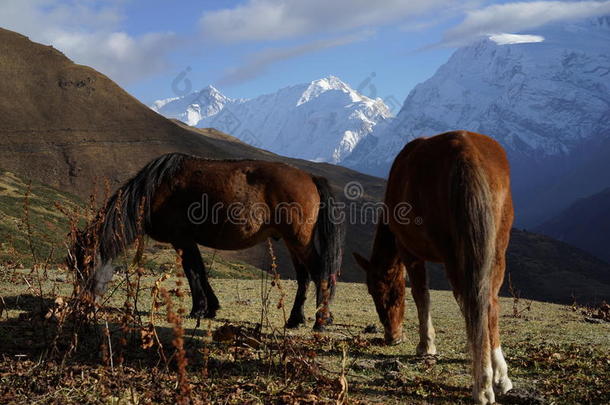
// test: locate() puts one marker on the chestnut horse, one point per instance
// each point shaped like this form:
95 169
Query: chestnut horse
458 187
222 204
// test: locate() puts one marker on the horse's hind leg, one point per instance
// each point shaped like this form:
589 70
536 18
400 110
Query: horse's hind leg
205 303
418 278
501 382
323 296
297 315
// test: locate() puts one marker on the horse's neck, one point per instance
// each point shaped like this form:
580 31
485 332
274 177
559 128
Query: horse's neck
385 253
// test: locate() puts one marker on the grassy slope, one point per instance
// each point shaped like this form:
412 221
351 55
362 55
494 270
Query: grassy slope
48 225
49 228
554 356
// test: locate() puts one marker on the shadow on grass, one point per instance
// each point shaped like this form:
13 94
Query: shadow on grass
414 392
26 302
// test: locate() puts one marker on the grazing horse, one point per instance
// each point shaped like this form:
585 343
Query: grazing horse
222 204
457 186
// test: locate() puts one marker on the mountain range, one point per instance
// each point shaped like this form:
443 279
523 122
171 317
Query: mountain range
319 121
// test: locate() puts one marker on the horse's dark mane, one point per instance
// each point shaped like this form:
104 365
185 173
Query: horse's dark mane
116 226
122 211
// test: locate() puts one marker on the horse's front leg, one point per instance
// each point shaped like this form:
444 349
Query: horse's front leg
421 295
205 303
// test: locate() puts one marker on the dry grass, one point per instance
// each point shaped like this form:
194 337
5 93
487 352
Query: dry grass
554 355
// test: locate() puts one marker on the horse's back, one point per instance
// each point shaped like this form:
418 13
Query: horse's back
423 175
430 160
242 199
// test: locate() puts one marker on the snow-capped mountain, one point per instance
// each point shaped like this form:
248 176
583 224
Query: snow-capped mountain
543 95
539 95
193 107
322 121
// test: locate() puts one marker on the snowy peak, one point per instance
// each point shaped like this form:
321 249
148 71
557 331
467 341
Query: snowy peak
159 104
330 83
193 107
322 120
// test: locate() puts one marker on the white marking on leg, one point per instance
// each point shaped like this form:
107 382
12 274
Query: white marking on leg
485 394
502 383
482 389
102 277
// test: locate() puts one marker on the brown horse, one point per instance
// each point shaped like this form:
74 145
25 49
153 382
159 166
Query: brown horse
458 187
189 201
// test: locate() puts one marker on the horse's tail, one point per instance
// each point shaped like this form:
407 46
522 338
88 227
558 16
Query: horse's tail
329 229
474 243
127 213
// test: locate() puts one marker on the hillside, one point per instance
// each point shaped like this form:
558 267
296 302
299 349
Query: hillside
66 125
545 269
585 224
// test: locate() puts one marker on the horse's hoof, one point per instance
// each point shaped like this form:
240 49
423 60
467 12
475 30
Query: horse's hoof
319 327
211 312
503 386
393 342
425 349
198 313
293 324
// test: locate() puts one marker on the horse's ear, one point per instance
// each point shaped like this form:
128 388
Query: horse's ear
364 263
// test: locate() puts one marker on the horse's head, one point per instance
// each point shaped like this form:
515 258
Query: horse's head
84 258
388 291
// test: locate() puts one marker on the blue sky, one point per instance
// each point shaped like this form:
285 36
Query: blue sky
250 47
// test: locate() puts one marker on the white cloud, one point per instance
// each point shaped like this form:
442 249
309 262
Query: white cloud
258 63
261 20
517 17
509 39
88 32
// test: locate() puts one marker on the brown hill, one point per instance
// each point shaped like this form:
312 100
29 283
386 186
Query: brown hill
65 125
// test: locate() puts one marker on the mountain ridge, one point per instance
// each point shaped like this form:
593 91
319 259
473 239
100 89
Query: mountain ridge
584 224
322 120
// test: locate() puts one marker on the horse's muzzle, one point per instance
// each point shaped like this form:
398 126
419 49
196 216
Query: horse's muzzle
392 339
